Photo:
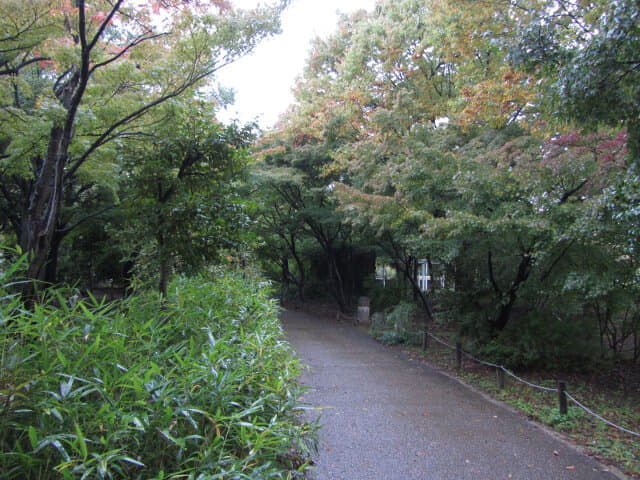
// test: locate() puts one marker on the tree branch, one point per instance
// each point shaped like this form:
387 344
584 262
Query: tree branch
565 197
114 9
14 70
66 230
133 44
106 136
553 265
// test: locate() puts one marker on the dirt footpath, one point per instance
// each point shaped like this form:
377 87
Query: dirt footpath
385 417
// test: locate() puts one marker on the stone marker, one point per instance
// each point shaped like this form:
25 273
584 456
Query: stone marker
363 311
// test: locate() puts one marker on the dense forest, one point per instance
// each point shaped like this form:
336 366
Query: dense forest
495 141
489 146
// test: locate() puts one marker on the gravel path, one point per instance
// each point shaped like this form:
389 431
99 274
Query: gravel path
385 417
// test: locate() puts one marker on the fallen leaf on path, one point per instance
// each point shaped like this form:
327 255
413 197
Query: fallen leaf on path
425 414
420 453
570 468
556 453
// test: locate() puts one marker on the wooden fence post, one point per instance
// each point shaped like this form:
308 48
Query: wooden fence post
562 398
425 340
500 373
458 355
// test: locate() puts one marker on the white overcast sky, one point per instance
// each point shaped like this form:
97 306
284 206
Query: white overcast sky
263 81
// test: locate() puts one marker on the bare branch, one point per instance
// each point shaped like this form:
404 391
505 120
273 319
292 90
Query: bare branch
107 135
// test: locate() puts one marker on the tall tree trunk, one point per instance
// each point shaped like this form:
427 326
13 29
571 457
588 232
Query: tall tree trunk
411 275
41 215
39 223
406 264
508 298
164 276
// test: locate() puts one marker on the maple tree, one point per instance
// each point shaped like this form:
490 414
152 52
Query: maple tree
291 186
586 57
80 78
439 143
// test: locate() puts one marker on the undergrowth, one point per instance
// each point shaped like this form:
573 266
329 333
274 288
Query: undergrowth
201 386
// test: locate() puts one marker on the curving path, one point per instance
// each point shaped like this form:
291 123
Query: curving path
387 418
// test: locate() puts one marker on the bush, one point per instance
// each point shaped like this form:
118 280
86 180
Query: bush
201 386
396 325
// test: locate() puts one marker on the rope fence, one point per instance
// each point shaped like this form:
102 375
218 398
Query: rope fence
591 412
563 395
532 385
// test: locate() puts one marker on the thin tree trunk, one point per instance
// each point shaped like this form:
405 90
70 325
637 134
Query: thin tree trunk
164 267
300 264
508 298
285 276
164 276
338 287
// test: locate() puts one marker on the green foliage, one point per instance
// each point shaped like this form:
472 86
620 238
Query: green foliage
396 325
81 80
539 341
449 131
589 54
201 385
181 189
297 218
566 422
94 253
385 297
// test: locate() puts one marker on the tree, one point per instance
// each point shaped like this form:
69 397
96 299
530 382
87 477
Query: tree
78 80
587 55
181 190
291 179
439 146
280 229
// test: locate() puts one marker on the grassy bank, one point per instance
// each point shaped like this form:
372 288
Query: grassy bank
201 386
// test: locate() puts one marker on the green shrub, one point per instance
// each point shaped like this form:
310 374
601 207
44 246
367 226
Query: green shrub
396 325
201 386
